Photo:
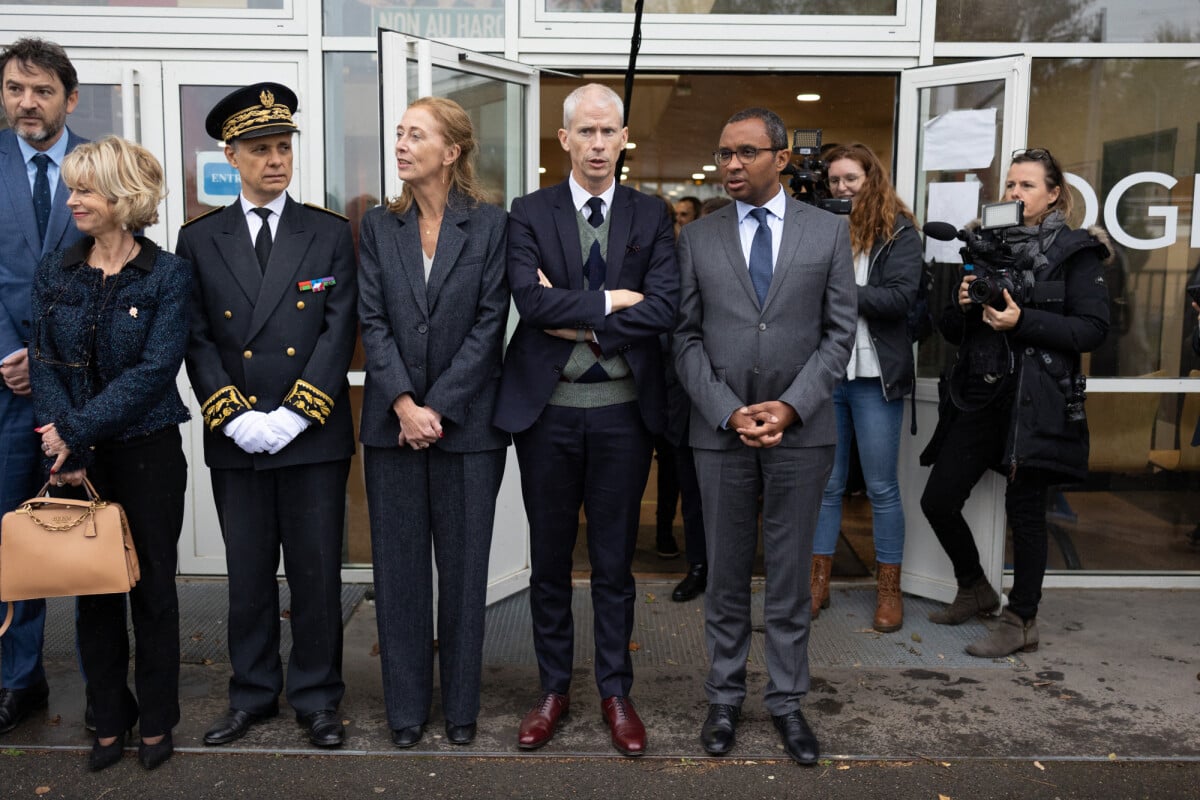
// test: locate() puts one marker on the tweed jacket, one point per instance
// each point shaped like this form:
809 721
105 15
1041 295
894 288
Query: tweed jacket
261 341
105 352
440 341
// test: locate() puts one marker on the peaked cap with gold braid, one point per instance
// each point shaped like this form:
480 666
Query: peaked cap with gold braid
258 110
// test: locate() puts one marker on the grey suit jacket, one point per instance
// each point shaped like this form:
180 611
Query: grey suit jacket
730 353
441 342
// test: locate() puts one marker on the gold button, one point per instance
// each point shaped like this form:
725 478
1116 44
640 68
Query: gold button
300 304
247 354
228 315
291 351
253 400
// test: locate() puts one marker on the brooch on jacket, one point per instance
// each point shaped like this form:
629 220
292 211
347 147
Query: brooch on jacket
133 311
317 284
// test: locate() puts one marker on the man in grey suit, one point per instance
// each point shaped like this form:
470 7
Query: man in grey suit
766 321
40 91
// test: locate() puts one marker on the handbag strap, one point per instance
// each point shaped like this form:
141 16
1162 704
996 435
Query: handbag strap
8 618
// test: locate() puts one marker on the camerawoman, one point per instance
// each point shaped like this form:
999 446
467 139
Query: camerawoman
1030 302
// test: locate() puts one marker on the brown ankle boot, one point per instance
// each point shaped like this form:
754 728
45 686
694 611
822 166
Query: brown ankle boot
889 606
1010 635
822 567
977 599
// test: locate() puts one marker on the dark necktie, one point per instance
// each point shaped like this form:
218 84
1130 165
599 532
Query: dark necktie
593 270
262 242
760 256
41 194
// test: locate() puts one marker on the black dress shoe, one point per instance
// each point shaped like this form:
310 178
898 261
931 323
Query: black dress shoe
718 731
234 725
104 756
325 728
153 756
695 582
460 734
798 739
407 737
17 704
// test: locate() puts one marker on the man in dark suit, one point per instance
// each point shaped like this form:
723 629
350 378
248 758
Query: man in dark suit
273 328
592 269
766 321
40 89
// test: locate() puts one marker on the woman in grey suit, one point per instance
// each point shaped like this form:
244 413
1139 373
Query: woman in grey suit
433 306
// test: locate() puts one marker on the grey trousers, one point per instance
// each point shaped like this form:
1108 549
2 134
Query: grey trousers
790 482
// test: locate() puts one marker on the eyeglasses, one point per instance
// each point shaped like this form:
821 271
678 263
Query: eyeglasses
1033 154
746 154
849 180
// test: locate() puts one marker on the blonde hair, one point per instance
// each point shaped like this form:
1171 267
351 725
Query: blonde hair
126 174
456 129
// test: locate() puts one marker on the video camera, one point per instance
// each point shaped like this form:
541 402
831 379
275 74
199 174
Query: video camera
988 256
808 174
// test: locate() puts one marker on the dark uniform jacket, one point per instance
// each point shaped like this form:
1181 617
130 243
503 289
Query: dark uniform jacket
286 338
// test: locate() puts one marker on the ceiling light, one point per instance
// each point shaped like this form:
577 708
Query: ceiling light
698 176
709 168
808 97
541 170
631 145
624 169
623 177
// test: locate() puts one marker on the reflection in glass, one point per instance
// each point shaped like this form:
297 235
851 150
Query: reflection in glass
432 19
835 8
1067 21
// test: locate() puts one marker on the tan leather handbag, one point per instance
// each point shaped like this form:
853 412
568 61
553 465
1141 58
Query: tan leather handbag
59 547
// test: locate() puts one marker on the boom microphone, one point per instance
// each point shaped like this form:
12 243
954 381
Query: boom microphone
942 231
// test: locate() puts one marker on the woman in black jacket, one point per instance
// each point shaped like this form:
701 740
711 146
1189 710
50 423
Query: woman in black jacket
110 328
1015 400
870 401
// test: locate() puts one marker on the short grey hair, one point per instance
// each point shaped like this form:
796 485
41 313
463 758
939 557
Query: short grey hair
605 96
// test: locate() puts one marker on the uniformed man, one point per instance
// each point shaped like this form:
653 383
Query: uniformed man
273 329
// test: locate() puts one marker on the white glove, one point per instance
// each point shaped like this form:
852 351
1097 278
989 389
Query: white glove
251 432
286 425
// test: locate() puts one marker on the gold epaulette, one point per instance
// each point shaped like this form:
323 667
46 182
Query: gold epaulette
316 207
224 403
308 400
202 216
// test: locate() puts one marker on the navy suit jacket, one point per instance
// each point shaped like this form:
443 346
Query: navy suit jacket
439 341
543 233
20 250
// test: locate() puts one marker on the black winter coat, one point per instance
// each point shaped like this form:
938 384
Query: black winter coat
892 282
1045 346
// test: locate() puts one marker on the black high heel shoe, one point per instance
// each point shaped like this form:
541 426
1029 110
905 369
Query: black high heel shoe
104 756
155 755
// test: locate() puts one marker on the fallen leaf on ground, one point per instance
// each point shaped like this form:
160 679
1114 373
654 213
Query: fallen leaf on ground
843 766
634 647
1038 764
650 598
1112 756
375 649
916 637
42 790
943 797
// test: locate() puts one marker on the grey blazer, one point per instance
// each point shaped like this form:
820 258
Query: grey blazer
729 353
441 342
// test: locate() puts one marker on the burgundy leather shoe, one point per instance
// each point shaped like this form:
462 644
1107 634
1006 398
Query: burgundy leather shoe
628 732
538 726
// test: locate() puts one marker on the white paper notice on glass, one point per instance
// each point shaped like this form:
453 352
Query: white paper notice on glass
956 203
960 140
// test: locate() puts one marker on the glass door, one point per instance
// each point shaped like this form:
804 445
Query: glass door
501 97
199 179
957 126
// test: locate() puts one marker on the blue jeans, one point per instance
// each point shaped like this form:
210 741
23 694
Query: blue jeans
876 426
